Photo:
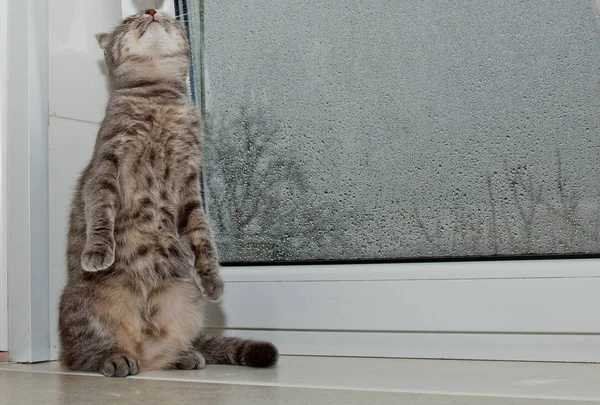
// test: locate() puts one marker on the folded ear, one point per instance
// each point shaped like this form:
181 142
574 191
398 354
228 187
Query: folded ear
102 39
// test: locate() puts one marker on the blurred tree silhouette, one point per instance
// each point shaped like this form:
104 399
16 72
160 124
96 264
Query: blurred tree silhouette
524 215
258 195
263 207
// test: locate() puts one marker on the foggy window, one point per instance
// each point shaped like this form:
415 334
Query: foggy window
380 129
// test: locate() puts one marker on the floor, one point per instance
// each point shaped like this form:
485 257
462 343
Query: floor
314 380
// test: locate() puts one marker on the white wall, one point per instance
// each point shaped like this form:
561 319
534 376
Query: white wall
78 94
133 6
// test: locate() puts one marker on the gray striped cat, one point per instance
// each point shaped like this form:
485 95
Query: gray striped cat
141 259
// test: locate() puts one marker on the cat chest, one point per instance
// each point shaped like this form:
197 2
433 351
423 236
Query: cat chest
156 166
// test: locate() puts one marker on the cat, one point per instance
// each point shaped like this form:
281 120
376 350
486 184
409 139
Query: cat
141 259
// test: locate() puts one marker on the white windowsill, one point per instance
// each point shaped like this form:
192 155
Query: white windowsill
566 382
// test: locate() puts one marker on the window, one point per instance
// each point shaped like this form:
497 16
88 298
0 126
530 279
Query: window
421 129
359 132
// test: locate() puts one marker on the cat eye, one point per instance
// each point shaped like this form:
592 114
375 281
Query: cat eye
128 20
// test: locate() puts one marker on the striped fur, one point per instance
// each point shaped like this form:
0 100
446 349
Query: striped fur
141 259
236 351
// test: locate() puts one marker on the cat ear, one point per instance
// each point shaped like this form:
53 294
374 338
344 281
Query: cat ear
102 39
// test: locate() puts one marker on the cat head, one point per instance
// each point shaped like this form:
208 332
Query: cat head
148 46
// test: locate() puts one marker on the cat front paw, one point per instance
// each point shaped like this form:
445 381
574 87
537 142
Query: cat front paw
211 285
97 257
120 365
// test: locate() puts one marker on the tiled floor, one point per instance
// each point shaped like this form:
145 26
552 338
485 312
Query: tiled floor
313 380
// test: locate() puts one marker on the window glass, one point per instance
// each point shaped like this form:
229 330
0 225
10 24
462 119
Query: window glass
388 129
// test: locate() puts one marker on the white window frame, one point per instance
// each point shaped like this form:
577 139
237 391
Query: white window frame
3 127
26 171
531 310
541 310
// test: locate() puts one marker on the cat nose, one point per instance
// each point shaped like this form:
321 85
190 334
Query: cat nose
151 12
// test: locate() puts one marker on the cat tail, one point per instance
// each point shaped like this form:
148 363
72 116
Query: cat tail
236 351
